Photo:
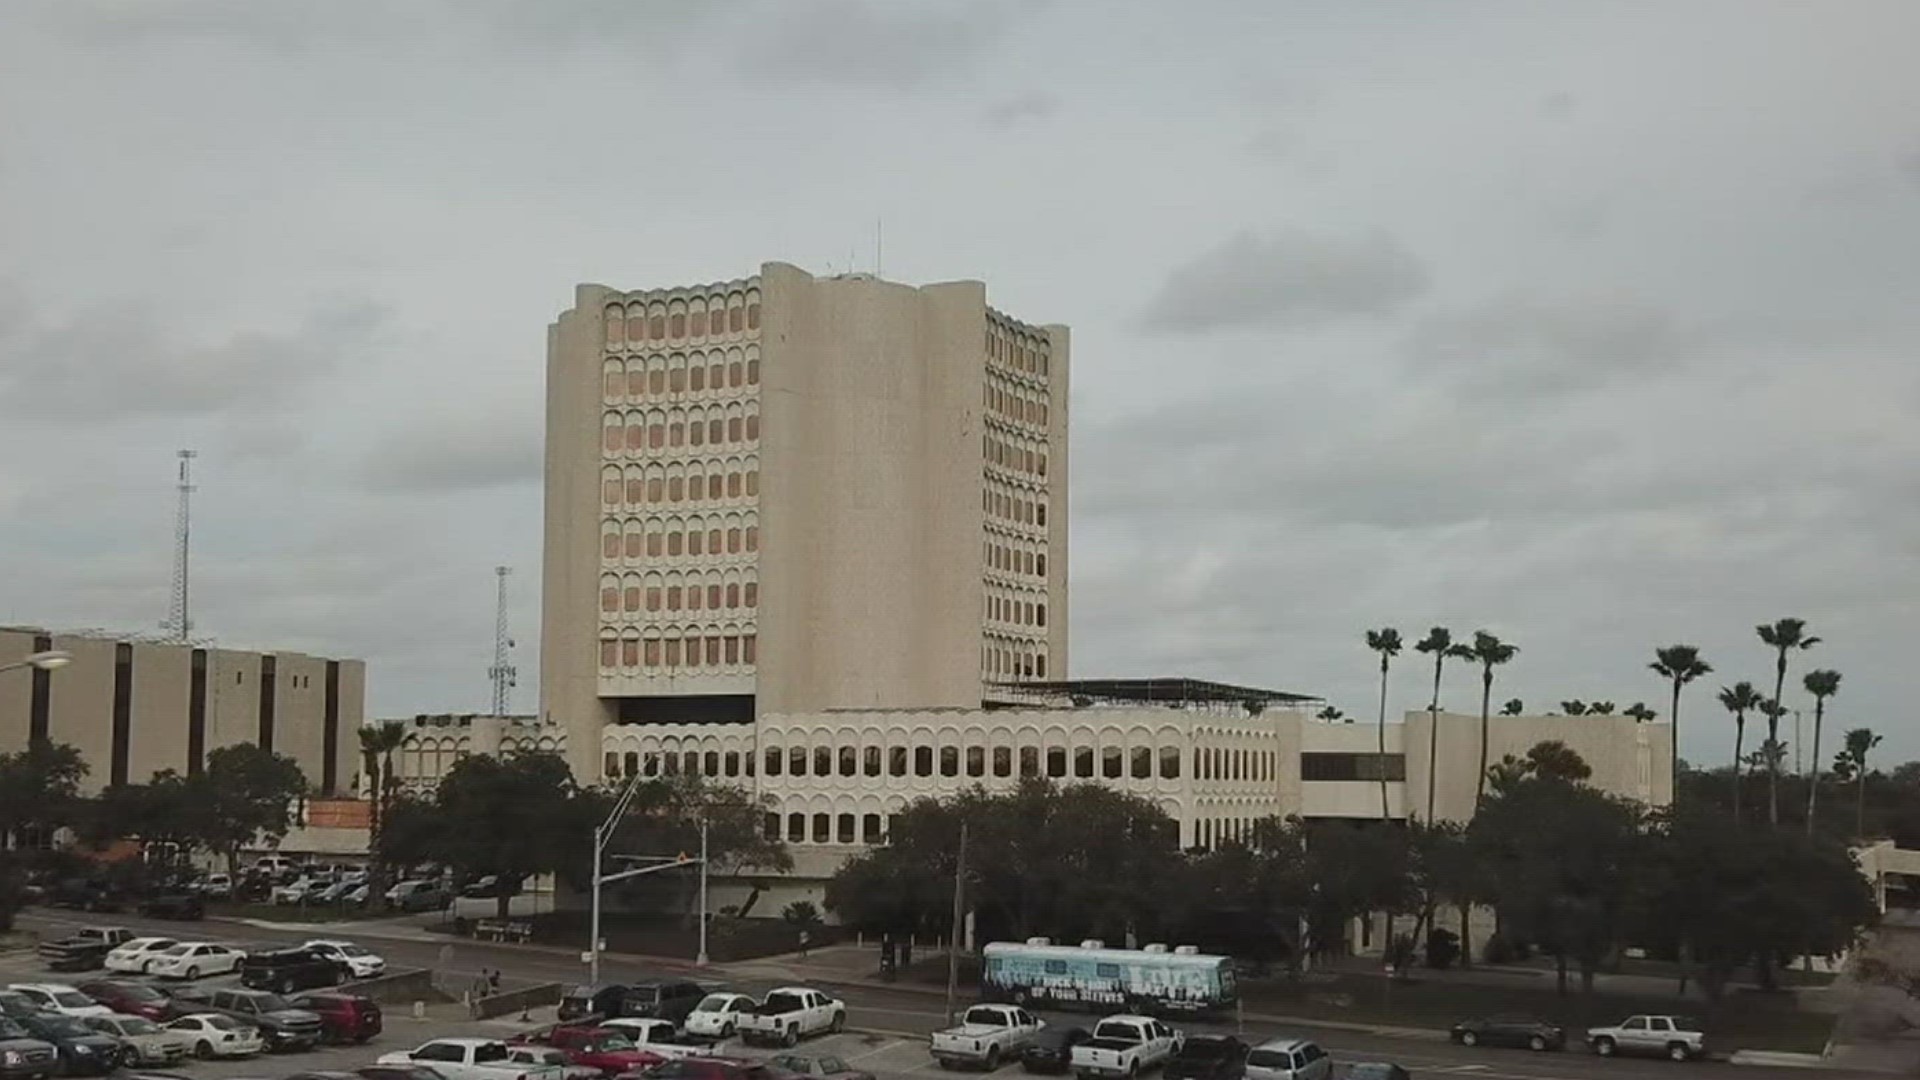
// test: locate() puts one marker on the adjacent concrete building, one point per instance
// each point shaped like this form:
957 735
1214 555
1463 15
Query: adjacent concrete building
435 741
783 493
133 707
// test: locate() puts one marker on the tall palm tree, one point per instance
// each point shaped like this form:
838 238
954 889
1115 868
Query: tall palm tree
1822 684
1738 699
1600 708
1639 711
1386 642
1681 664
1574 708
1330 715
1783 636
1513 707
377 745
1772 755
1860 741
1490 652
1439 642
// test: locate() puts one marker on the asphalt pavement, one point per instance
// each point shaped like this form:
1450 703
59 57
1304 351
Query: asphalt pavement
888 1024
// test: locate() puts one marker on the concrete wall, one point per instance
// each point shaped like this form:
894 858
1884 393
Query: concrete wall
1628 758
83 706
162 684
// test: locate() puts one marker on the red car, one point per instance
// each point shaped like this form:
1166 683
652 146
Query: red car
600 1048
344 1018
705 1068
132 998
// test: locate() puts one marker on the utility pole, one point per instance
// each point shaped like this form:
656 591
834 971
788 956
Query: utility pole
700 959
502 673
959 916
178 623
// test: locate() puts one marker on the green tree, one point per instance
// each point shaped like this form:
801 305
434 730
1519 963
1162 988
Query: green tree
1489 652
1737 699
1574 708
1859 743
1386 642
514 817
39 790
1679 665
1439 644
1600 708
378 742
1513 707
1822 684
244 793
1331 715
664 819
1783 636
1639 711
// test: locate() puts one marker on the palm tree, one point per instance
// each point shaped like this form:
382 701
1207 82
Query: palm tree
1490 652
1681 664
1513 707
1600 708
1639 711
1783 636
1574 708
1329 714
377 745
1774 756
1859 742
1439 642
1737 699
1386 642
1822 684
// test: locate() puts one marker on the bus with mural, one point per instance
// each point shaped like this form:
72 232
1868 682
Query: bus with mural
1149 980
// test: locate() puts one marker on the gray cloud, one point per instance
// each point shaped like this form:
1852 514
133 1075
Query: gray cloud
1292 279
1530 344
869 43
457 453
1033 105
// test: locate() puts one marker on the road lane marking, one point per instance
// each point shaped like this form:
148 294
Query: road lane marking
881 1049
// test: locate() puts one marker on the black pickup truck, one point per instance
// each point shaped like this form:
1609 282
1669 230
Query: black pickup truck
84 949
281 1025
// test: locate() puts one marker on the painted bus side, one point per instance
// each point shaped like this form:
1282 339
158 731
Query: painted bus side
1107 979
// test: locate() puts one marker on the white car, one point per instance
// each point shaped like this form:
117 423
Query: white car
134 956
718 1015
300 890
217 887
214 1035
60 998
363 964
192 959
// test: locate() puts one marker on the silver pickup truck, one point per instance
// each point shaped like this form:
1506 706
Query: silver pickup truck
1125 1046
986 1035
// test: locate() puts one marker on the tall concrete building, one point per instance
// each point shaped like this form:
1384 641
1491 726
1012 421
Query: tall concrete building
787 494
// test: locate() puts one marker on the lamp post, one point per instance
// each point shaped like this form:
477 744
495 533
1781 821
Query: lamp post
601 834
41 661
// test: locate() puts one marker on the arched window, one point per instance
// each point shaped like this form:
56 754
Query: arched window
733 763
772 755
822 761
1112 763
797 761
870 829
822 823
796 828
923 761
1056 762
616 324
872 755
949 761
976 761
1002 761
609 653
1083 762
1029 762
844 833
1142 763
1169 763
849 761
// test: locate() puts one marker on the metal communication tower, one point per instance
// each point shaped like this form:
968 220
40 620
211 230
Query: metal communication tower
179 625
502 673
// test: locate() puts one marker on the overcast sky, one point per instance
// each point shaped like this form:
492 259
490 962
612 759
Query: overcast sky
1595 325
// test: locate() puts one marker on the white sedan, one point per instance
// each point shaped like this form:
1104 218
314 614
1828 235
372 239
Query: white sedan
717 1015
133 957
358 961
213 1035
192 959
60 998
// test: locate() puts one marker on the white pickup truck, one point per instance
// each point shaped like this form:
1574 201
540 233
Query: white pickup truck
986 1035
658 1037
1125 1046
789 1014
471 1059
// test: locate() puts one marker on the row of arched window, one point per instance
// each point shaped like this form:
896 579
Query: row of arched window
1014 558
1013 406
1003 658
688 649
1214 832
1027 457
640 324
634 594
1016 348
655 537
710 763
1017 506
1016 609
658 429
712 480
656 376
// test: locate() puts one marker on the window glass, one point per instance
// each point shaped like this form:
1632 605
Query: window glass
870 828
822 761
844 832
923 761
797 762
822 825
1142 763
872 756
976 761
1083 761
1056 761
949 761
1112 762
796 828
1002 761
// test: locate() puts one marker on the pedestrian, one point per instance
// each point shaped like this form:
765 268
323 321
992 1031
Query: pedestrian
804 938
493 981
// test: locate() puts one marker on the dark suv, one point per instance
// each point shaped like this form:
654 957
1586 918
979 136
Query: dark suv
82 1050
23 1055
282 1027
288 970
662 1000
344 1017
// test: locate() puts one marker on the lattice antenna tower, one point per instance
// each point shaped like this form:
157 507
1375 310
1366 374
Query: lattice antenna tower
179 623
502 672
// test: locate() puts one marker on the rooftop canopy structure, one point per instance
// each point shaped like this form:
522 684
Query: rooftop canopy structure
1166 692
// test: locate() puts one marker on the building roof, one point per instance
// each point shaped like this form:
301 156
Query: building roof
1177 692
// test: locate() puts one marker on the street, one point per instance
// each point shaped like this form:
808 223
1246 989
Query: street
887 1026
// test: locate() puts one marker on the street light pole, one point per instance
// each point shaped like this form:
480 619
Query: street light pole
953 940
41 661
701 959
601 835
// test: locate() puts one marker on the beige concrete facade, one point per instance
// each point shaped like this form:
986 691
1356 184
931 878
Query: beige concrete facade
435 741
134 707
785 493
1628 758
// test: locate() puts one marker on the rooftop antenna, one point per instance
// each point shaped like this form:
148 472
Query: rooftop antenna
502 673
178 624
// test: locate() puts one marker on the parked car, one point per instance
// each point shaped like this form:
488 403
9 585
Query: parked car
1051 1050
1208 1057
1510 1030
142 1042
132 957
823 1067
597 999
704 1068
17 1006
355 961
418 896
131 998
791 1013
1676 1037
84 895
344 1017
1125 1046
470 1059
82 1051
661 1000
605 1050
986 1035
174 905
192 959
287 970
22 1056
216 1035
60 999
281 1026
396 1072
85 948
658 1037
548 1057
301 890
716 1015
217 887
1289 1059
